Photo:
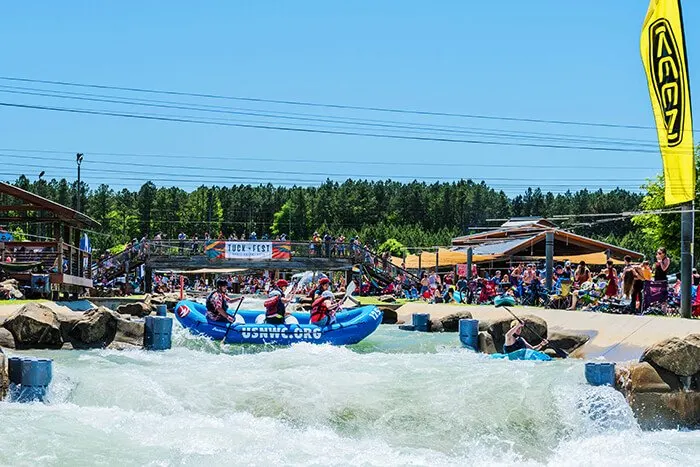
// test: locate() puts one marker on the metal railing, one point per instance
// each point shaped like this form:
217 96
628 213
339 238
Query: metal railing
54 257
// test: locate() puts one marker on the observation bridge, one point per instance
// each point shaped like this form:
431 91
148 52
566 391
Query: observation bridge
211 256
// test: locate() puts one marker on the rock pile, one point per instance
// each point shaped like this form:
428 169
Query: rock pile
663 388
10 289
36 326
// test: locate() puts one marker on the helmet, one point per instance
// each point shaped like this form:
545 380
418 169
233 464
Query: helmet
324 280
221 283
327 294
282 283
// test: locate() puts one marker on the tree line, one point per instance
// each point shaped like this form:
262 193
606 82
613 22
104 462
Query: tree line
417 214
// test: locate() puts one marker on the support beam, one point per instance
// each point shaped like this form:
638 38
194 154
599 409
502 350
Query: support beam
148 279
687 228
549 254
470 260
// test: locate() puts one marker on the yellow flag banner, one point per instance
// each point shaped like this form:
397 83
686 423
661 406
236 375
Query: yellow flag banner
665 63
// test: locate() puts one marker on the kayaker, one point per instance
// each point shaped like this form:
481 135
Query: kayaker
323 309
217 304
514 341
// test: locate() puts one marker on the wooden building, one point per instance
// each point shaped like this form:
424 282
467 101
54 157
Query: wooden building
67 265
523 239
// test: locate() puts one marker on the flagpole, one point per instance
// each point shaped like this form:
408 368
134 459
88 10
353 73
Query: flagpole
687 231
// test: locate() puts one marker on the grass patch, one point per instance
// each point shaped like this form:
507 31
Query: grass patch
22 301
375 301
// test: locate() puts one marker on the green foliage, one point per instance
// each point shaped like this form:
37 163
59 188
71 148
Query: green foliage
664 229
19 235
394 247
416 214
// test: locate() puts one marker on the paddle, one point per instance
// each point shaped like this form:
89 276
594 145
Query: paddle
348 291
560 353
228 328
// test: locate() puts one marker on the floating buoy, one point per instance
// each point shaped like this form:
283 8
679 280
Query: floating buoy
421 322
29 378
469 333
600 373
157 333
161 310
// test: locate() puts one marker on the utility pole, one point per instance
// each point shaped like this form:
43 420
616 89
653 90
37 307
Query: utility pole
78 160
687 231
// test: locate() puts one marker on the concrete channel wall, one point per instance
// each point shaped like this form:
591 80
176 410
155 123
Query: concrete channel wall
613 337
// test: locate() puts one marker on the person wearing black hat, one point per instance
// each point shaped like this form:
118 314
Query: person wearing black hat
217 304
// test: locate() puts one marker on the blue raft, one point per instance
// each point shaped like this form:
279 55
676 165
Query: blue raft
353 325
523 354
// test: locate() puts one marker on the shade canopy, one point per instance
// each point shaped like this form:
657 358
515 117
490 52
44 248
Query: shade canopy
445 258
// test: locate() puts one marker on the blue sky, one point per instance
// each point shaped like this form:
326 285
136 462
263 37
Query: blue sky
553 60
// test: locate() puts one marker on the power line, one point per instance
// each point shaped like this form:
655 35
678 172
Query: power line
324 105
388 125
287 172
312 161
316 131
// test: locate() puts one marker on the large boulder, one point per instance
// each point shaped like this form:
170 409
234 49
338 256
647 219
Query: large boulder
486 344
498 327
643 377
35 326
389 315
7 340
449 323
103 327
138 309
96 329
4 380
129 332
568 342
666 410
680 356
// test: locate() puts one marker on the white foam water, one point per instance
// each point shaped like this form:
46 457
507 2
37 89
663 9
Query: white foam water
398 398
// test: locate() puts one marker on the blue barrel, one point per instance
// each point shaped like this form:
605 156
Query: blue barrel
421 321
161 310
35 376
600 374
469 333
157 333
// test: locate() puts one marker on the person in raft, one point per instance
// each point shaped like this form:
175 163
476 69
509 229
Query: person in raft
323 309
514 341
324 285
275 306
217 304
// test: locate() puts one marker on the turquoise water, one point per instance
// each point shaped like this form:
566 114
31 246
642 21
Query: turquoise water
398 398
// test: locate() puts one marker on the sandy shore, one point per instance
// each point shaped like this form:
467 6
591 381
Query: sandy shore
613 337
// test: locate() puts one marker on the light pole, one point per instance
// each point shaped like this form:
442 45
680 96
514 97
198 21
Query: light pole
79 160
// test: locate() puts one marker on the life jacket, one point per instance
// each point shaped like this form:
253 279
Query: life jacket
210 303
274 307
319 310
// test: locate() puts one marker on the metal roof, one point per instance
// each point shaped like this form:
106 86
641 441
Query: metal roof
61 212
499 247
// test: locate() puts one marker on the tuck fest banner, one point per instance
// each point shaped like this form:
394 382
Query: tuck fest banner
666 66
218 250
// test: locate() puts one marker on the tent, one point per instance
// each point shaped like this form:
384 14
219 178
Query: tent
445 258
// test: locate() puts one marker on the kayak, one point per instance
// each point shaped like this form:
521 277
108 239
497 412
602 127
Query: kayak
352 326
523 354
